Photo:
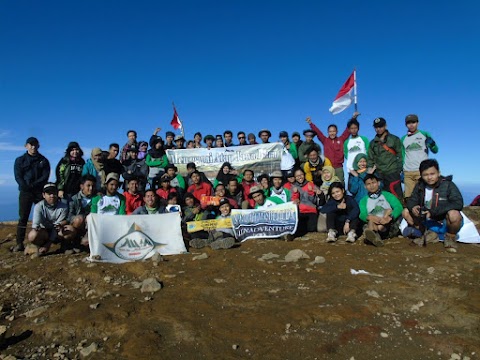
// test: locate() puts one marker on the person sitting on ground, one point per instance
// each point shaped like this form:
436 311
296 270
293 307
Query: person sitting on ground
112 203
156 160
262 202
342 213
220 238
333 145
235 191
199 188
356 184
78 209
69 171
131 142
49 218
434 206
380 210
133 168
277 189
151 205
165 188
208 140
328 178
264 181
142 150
220 192
95 167
178 182
225 173
191 167
315 161
247 183
133 198
306 145
308 197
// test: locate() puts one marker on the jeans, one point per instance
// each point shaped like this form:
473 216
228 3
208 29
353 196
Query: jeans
25 201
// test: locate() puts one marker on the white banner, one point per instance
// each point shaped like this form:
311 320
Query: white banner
273 222
261 158
122 238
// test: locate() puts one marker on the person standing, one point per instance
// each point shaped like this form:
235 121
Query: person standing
32 170
333 145
69 171
415 147
355 144
385 157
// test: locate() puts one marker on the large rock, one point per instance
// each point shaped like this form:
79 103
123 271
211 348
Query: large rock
150 285
3 331
295 255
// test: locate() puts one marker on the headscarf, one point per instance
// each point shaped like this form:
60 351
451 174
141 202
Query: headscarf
99 166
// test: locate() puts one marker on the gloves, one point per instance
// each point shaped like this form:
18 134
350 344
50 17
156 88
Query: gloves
430 142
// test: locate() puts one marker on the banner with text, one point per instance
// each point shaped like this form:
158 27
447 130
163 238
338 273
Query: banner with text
119 239
269 223
261 158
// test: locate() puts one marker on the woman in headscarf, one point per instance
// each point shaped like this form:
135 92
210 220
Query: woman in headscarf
69 171
94 167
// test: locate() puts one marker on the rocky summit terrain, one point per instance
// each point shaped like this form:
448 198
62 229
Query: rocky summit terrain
265 299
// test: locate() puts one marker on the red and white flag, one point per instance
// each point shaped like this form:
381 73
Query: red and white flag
176 123
345 96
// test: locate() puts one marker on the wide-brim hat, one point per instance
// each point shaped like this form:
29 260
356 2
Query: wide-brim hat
255 189
264 131
112 176
276 174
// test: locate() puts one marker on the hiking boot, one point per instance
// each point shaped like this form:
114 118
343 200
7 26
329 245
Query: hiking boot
198 243
332 236
411 232
373 237
351 236
450 243
17 248
225 243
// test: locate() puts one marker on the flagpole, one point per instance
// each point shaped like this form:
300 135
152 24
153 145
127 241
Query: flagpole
355 88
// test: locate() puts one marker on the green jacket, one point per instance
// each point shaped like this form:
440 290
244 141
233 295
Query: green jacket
387 161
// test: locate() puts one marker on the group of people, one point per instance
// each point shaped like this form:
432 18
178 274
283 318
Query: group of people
372 202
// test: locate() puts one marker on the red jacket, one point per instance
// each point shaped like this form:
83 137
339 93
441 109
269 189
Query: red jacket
246 191
202 189
132 202
163 194
332 148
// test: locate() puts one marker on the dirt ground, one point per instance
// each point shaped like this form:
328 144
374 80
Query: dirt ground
245 302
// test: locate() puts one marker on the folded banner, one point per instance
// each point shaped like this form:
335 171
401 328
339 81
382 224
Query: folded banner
119 239
270 223
262 158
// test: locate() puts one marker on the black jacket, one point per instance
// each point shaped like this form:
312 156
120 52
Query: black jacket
445 197
31 172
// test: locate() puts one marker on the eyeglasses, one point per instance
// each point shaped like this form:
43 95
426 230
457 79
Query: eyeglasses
241 137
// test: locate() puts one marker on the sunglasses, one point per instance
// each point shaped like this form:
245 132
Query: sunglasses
241 137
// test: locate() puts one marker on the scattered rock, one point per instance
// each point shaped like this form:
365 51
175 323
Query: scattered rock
373 293
200 257
318 260
235 346
89 349
31 249
268 256
295 255
94 306
219 281
384 335
417 307
36 312
431 270
150 285
156 258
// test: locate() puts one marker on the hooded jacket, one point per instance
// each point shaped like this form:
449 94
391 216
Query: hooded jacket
446 196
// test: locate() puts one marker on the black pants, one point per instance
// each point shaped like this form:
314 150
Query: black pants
393 184
25 201
336 221
307 222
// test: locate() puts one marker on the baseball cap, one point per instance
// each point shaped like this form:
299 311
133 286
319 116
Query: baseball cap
32 141
112 176
379 122
411 118
50 188
276 174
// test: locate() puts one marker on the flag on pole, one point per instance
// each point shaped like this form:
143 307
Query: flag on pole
176 123
344 97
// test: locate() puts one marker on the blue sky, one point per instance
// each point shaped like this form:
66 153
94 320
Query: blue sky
90 70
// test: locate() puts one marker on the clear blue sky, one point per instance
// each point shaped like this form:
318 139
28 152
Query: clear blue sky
90 70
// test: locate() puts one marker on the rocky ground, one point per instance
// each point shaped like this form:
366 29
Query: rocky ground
260 300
